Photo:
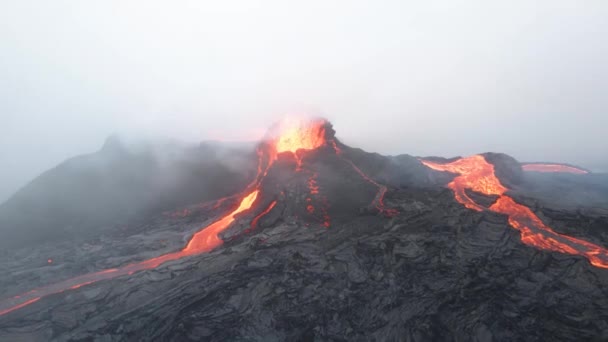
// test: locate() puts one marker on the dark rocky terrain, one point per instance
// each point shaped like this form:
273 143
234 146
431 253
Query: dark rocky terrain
121 183
433 271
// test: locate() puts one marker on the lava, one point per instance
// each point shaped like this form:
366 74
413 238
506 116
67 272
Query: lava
300 135
378 201
523 219
537 167
476 174
289 137
254 222
203 241
207 239
19 306
295 135
313 188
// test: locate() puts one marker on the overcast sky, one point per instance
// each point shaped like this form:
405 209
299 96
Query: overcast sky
529 78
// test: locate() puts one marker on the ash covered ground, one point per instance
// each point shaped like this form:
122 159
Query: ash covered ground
346 245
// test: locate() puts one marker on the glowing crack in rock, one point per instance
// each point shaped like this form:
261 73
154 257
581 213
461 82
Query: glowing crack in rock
476 174
254 222
314 191
378 201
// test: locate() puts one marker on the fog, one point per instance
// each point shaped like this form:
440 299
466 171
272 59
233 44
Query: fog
528 78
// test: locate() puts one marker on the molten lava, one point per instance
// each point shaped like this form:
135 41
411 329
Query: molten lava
476 174
254 222
378 201
203 241
290 136
314 191
553 168
207 239
19 306
298 135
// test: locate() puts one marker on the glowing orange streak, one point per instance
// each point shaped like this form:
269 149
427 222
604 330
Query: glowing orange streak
201 242
336 148
553 168
207 239
477 174
77 286
379 199
522 218
312 184
19 306
305 136
254 222
313 187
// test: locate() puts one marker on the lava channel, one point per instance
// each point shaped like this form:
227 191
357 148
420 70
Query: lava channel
476 174
554 168
203 241
378 201
290 137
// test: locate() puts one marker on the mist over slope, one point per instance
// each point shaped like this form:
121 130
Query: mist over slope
122 182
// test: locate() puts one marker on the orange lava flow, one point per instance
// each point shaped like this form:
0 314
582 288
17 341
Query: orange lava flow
379 199
290 137
476 174
201 242
19 306
254 222
207 239
553 168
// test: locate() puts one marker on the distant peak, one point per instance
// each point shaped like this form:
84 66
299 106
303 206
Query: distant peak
113 143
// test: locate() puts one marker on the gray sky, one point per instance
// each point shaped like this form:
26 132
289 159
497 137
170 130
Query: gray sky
529 78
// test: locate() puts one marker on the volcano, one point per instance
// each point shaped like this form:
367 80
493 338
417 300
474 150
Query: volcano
328 242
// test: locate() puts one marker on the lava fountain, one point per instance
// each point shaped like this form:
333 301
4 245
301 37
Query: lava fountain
296 135
290 136
476 174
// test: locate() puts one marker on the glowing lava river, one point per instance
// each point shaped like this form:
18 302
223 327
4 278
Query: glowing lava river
203 241
288 137
477 174
295 138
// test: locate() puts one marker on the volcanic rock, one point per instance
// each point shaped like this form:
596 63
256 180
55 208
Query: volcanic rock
120 184
386 253
506 167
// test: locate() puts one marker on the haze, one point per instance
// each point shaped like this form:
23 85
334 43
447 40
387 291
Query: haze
528 78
